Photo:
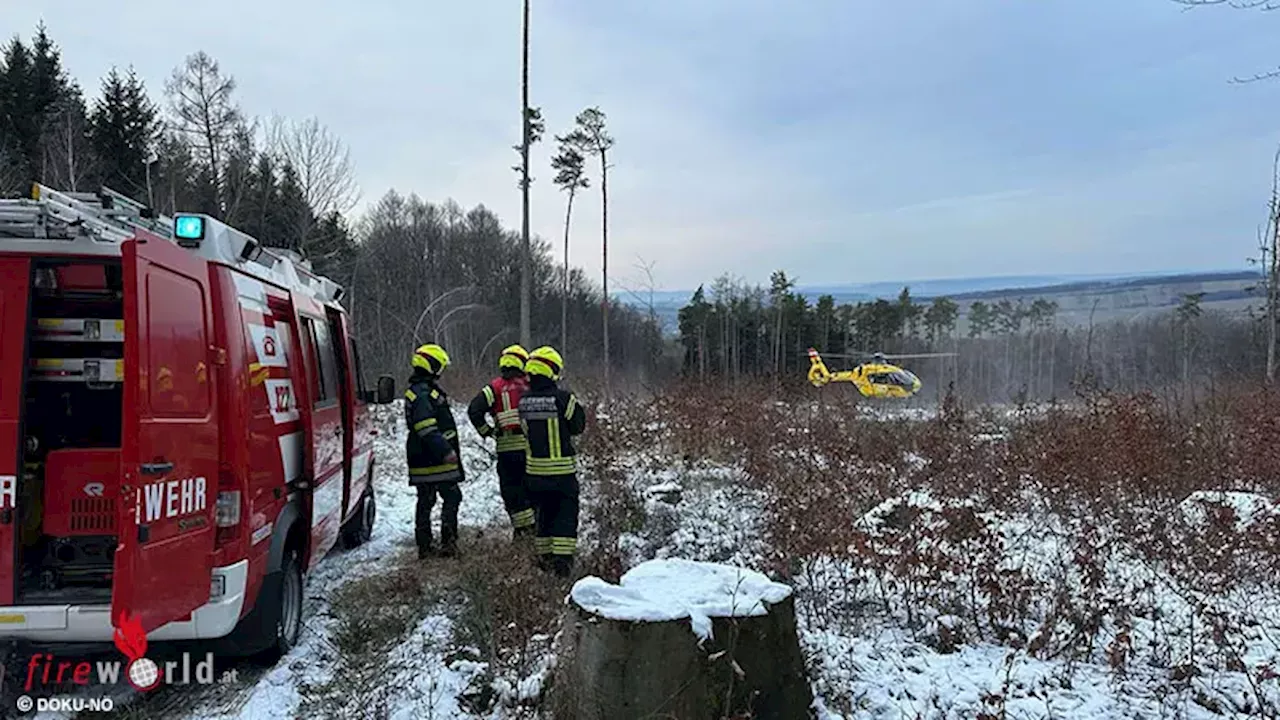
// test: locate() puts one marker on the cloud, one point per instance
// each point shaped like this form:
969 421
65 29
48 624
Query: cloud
841 140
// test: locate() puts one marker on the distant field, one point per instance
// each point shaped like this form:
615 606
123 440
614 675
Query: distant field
1105 298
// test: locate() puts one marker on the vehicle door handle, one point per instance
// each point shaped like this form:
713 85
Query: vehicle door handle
159 468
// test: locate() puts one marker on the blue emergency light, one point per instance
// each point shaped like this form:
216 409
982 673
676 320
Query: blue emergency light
189 227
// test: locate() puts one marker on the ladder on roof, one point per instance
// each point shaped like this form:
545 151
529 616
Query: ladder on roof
110 218
105 216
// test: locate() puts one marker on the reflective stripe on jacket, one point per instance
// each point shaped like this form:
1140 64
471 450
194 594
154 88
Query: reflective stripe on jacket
551 417
433 433
500 398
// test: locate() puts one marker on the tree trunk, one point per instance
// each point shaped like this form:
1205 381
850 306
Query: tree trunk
564 301
604 253
526 336
623 670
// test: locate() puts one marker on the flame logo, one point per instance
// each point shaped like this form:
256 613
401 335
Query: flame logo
131 639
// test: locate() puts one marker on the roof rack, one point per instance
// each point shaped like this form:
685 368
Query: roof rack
78 223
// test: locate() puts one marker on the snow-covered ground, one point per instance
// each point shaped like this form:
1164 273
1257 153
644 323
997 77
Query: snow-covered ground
427 685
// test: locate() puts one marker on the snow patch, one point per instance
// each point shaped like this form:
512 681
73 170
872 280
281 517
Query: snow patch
665 590
1247 507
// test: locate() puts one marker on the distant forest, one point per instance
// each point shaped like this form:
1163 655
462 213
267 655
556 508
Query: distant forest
1011 350
416 271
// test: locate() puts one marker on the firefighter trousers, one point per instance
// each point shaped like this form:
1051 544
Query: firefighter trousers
515 497
451 494
555 504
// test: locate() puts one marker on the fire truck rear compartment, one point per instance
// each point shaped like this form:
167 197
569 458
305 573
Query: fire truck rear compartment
72 426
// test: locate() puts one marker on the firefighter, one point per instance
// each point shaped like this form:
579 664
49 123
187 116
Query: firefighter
551 417
432 449
501 398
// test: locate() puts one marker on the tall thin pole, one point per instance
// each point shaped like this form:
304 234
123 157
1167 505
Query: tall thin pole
526 336
604 260
564 298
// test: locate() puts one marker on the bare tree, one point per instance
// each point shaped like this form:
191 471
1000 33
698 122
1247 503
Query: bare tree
591 137
1272 265
322 163
1265 5
571 177
67 157
10 176
200 99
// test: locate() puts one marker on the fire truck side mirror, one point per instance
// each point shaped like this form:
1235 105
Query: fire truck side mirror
386 389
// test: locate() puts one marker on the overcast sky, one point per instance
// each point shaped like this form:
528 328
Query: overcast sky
840 140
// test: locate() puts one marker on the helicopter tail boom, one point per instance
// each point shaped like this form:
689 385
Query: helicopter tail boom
819 375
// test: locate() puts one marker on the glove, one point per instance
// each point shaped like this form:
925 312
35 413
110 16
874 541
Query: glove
451 458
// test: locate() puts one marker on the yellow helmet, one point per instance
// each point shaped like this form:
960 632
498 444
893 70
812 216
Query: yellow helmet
513 356
545 361
431 358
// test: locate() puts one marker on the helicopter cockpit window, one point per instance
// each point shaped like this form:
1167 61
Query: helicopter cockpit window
901 378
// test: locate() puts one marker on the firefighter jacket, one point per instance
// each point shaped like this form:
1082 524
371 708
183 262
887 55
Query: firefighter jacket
550 417
433 434
501 399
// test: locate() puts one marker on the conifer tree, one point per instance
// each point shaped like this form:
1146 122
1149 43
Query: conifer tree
124 129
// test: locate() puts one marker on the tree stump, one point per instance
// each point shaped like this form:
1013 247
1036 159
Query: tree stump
682 640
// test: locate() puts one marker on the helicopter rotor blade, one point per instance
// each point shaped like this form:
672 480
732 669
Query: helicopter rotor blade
920 355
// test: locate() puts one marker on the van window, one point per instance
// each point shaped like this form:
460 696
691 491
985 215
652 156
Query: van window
176 345
326 385
359 370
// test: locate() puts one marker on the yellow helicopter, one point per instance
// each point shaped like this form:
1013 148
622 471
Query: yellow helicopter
874 378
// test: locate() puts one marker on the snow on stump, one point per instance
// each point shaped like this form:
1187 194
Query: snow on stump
681 639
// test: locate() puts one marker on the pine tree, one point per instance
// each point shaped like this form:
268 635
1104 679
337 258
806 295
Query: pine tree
34 92
289 217
49 88
261 197
124 129
332 249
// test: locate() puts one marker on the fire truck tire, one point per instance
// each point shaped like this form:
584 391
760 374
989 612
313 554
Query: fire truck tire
360 527
283 611
276 613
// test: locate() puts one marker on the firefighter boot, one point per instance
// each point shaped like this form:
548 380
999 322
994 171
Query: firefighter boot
452 496
562 565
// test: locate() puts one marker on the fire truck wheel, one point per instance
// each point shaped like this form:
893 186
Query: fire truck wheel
287 620
360 528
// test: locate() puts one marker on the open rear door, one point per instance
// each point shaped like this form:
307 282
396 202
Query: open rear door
169 450
15 279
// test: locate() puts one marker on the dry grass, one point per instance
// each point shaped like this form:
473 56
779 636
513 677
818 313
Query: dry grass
1122 576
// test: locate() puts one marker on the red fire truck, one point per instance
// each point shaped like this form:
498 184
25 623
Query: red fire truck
184 427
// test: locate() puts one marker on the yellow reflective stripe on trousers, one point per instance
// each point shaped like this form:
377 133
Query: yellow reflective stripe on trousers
522 519
549 466
542 545
423 424
433 469
563 545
